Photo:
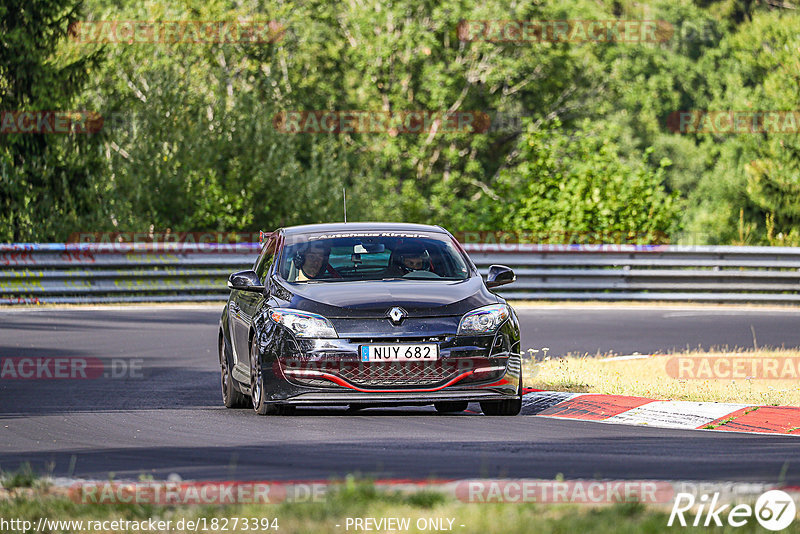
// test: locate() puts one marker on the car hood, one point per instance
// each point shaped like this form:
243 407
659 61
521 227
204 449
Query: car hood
423 298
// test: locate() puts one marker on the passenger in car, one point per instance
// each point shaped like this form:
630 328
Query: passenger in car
407 259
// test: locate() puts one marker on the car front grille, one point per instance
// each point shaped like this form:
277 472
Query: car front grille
376 374
399 374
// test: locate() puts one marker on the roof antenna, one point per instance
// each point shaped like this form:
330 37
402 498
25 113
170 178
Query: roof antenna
344 200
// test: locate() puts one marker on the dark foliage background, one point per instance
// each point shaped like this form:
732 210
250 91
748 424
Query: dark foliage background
579 144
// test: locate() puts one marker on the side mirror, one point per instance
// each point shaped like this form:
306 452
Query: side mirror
500 275
245 281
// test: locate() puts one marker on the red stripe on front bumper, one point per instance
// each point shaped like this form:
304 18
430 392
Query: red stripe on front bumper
341 382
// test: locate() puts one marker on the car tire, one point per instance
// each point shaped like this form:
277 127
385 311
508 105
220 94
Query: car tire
450 406
231 397
257 395
504 407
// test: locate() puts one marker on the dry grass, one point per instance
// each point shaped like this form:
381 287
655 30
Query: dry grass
649 377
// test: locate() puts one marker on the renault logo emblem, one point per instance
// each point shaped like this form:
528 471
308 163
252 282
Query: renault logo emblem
396 315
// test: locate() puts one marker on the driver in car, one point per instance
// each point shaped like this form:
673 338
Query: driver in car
312 262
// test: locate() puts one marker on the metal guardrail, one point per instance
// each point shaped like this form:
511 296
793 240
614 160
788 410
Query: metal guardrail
141 272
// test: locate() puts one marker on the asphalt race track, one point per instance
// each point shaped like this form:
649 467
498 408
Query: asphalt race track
158 411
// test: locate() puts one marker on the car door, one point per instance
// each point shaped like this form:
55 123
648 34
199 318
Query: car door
247 305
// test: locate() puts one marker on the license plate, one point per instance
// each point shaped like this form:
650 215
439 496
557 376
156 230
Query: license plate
414 352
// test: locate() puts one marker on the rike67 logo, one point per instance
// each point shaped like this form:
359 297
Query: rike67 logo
774 510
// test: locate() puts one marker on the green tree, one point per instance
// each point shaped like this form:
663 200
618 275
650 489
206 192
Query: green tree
46 180
751 194
574 186
191 143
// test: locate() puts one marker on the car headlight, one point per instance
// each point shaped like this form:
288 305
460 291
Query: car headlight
483 320
303 324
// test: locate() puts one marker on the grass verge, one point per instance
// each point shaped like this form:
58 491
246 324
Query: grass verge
355 500
741 377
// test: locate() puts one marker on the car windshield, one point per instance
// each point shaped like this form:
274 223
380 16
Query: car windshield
337 257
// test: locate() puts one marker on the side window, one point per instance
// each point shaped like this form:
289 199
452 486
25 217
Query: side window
266 258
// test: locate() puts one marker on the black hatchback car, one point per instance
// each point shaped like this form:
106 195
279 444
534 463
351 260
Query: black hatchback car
368 314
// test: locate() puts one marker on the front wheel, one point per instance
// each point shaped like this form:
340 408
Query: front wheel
231 397
504 407
257 393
